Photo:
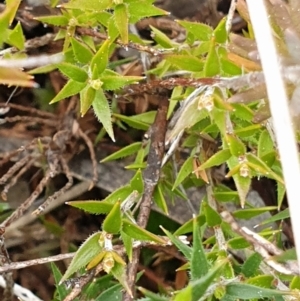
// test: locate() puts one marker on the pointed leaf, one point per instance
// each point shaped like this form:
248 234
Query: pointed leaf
251 265
82 52
113 293
94 5
71 88
183 248
216 159
16 77
57 20
88 250
119 272
200 286
121 20
242 183
202 32
251 292
60 289
212 66
188 226
199 264
16 37
100 59
220 32
185 62
265 144
91 206
236 146
87 96
161 38
277 217
119 194
159 199
114 82
212 217
127 241
137 183
124 152
73 72
252 212
139 9
103 112
112 223
185 170
136 232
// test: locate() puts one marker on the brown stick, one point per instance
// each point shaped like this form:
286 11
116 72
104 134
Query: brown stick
151 177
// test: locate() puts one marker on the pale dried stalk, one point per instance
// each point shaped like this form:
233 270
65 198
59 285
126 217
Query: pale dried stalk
280 112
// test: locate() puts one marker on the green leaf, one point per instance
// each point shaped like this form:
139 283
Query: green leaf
103 112
60 289
200 286
121 21
140 122
16 37
100 60
113 293
119 272
242 183
217 159
94 5
257 164
202 32
87 96
159 198
82 53
57 20
265 144
277 217
127 241
112 223
212 66
92 206
70 88
73 72
199 264
114 82
261 281
137 183
119 194
139 9
188 226
88 250
212 217
183 248
247 291
220 32
161 38
185 62
251 265
185 170
236 146
153 296
124 152
252 212
136 232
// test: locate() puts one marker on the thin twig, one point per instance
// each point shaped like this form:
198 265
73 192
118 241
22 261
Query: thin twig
151 176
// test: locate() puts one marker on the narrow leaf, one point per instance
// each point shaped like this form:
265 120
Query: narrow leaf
88 250
199 263
112 223
185 170
136 232
82 52
216 159
91 206
70 88
123 152
103 112
121 20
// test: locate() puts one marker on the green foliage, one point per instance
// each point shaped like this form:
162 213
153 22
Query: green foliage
213 102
